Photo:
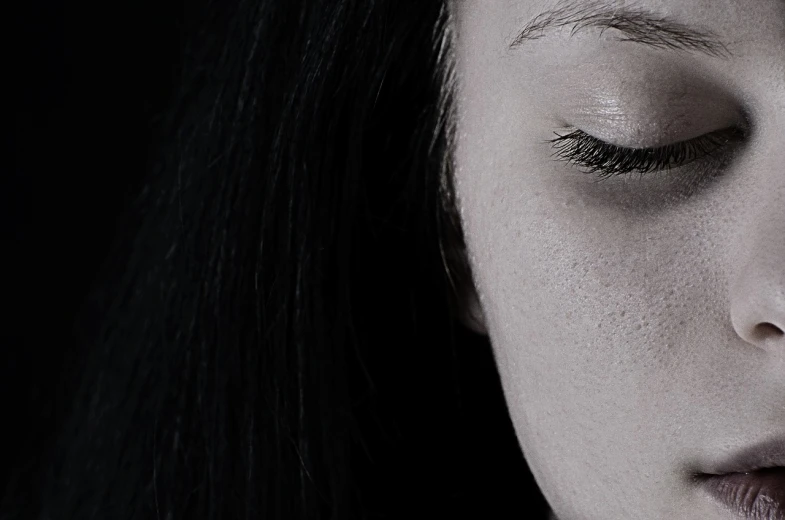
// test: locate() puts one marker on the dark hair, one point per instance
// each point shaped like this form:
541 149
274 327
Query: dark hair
274 334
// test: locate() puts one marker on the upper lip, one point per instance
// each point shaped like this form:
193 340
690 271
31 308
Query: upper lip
767 454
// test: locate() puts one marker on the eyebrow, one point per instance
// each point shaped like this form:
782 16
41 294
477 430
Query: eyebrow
636 25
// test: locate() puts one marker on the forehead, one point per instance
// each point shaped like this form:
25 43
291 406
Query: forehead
491 71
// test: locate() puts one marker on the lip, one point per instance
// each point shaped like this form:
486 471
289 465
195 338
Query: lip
756 495
751 483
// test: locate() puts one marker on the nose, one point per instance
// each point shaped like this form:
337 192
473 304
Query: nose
757 298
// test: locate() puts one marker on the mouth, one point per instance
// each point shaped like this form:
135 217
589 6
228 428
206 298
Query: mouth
756 495
752 483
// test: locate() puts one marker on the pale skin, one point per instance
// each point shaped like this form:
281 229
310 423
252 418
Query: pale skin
637 325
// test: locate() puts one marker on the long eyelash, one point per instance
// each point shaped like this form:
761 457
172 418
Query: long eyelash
608 160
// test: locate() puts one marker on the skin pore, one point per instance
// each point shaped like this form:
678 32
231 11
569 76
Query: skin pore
637 322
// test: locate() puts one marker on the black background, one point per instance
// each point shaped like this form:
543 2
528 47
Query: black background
87 83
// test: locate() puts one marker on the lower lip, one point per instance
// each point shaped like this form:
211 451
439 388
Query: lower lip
758 495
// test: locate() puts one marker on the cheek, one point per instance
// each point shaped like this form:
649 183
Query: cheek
588 289
591 312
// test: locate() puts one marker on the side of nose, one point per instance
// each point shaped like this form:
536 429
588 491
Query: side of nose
757 289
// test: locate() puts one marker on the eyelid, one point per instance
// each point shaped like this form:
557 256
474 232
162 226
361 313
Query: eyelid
583 150
649 108
649 129
731 132
650 148
640 133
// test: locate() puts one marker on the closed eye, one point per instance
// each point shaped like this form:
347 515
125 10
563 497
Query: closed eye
607 160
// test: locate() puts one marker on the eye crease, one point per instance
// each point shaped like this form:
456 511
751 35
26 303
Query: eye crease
595 156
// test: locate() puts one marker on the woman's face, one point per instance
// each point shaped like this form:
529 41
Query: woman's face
637 322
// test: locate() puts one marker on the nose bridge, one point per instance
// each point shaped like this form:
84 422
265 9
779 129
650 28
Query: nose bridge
758 287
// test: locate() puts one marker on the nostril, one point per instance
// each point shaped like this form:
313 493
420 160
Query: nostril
766 330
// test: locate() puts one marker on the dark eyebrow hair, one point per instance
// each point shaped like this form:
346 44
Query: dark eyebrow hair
637 25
